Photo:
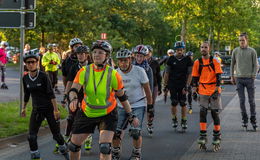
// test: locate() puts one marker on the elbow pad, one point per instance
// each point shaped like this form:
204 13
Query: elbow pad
123 97
195 81
218 76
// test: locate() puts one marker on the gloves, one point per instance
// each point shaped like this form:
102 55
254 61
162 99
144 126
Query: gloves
215 95
150 110
195 96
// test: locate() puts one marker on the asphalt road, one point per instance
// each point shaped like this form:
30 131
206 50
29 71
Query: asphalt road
166 144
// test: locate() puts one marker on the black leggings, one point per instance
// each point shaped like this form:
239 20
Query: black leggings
53 77
214 114
35 123
2 69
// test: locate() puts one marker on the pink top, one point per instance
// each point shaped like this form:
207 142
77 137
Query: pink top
3 58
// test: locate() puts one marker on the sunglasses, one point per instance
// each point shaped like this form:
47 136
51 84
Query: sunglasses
30 62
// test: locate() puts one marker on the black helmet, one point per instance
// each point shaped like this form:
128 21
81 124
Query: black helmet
30 54
141 49
82 49
189 53
150 48
104 45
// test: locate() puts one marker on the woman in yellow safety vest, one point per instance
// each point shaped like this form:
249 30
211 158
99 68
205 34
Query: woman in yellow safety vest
101 84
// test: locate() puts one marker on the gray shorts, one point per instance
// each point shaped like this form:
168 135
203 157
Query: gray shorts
209 103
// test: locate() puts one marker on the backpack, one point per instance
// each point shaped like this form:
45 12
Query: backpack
210 65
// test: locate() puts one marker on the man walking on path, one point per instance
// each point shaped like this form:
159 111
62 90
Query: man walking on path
243 72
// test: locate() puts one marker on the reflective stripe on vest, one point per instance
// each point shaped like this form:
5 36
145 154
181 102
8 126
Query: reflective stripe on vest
107 88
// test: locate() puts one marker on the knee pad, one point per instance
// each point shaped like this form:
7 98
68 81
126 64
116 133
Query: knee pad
32 138
174 103
105 148
73 147
203 114
135 133
117 135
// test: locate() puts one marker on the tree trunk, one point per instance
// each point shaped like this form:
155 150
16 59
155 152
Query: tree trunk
184 30
42 39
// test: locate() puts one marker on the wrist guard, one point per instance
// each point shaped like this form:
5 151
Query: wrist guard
131 117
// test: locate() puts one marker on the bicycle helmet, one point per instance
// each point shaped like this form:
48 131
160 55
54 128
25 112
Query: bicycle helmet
123 53
170 51
4 43
150 48
189 53
179 44
75 41
50 46
141 49
82 49
104 45
30 54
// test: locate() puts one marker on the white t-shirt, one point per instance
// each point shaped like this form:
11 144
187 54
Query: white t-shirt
133 81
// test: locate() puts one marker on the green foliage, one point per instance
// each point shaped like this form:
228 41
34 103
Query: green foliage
12 124
130 22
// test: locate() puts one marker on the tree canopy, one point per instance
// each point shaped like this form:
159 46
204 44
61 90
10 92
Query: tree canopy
156 22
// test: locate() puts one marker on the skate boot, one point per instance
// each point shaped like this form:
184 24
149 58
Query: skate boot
175 123
88 143
216 141
136 154
35 155
66 139
184 125
190 109
150 128
245 122
253 122
202 140
4 86
63 149
115 153
56 149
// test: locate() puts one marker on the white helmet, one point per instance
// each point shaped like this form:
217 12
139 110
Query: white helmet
123 53
170 51
4 43
75 41
141 49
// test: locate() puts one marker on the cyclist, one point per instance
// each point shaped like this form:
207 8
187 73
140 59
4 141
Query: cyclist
50 62
37 85
141 52
190 54
206 78
100 83
3 61
177 79
139 95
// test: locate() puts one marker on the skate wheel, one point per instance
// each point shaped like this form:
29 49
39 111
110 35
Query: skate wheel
202 147
216 148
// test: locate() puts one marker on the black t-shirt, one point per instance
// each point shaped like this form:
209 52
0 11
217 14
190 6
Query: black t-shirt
67 63
40 89
178 71
71 76
157 78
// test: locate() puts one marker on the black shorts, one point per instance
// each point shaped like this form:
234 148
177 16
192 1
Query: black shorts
177 97
84 124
